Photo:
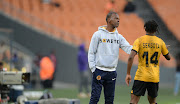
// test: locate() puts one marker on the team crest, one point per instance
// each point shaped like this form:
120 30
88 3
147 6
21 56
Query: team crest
131 91
104 40
98 77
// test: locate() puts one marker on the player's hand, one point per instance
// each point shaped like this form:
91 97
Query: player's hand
128 79
167 46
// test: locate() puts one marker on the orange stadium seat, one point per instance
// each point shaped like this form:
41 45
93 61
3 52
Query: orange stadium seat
1 6
6 6
27 6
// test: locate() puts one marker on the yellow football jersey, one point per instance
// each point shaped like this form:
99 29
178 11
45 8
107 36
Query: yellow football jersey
149 49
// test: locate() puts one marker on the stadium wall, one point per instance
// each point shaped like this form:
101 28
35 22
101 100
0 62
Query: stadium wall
67 70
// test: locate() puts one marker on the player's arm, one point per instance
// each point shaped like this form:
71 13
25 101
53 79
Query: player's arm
129 65
134 51
92 51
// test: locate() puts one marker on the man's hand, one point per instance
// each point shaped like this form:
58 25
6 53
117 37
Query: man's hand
167 46
128 79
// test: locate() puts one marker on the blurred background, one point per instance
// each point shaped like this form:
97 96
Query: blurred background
43 37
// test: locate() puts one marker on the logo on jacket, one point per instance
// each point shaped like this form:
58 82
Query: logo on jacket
109 41
104 40
98 77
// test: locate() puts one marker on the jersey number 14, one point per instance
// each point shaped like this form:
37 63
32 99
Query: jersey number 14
153 58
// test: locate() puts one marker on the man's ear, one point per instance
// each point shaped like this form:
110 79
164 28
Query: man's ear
109 20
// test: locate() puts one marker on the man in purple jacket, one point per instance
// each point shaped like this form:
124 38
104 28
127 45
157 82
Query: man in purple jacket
84 72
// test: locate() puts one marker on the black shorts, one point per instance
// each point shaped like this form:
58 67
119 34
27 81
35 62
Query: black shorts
139 88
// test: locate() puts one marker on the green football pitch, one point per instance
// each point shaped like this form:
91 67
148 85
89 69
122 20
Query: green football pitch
122 96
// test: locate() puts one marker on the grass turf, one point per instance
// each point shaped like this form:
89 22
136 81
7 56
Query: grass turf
122 96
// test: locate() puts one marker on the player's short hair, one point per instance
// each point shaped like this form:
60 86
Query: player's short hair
151 26
109 15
